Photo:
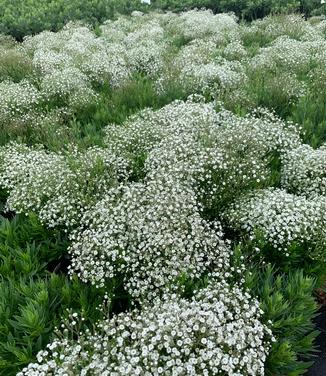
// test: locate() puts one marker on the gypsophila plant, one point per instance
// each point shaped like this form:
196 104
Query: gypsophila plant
59 187
217 332
17 99
159 145
303 171
282 217
150 233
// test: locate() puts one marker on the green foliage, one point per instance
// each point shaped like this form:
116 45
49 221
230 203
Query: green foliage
310 112
20 18
85 127
247 9
303 257
34 292
287 300
14 65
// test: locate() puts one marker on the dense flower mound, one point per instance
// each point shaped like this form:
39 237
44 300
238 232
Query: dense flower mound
200 68
193 159
293 26
281 217
218 332
68 85
204 24
291 54
224 158
76 46
195 52
303 171
59 187
143 132
17 100
251 138
151 233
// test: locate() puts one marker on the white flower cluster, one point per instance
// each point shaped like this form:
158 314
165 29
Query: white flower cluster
201 24
17 100
145 208
290 54
69 86
143 131
191 139
58 187
281 217
199 68
146 130
218 332
196 52
270 133
303 171
291 25
188 156
146 48
151 233
77 47
235 51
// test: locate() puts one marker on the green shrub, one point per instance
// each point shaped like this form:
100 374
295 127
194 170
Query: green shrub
247 9
287 300
20 18
35 294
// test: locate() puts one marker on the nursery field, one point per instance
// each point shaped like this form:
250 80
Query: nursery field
163 195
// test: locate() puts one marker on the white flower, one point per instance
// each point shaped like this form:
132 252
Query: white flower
237 345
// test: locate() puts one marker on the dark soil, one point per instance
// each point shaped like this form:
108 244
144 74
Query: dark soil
319 367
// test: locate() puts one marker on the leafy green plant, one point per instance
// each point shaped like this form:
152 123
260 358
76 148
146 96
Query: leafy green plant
32 16
19 18
287 301
247 9
35 293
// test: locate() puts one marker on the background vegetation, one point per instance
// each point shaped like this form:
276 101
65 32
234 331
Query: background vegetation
20 18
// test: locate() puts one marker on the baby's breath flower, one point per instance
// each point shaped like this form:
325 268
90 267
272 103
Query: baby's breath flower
217 332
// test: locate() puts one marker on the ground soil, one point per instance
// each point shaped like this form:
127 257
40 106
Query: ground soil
319 367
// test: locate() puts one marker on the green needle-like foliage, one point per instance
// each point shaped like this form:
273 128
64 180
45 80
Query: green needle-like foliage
33 299
287 301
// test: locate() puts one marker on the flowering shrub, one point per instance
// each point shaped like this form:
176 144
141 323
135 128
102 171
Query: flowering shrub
291 54
217 332
101 140
270 28
282 218
260 134
199 69
69 86
17 99
76 46
202 24
152 233
143 132
303 171
191 156
57 186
